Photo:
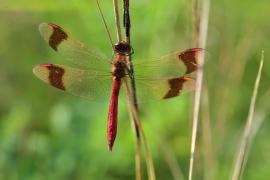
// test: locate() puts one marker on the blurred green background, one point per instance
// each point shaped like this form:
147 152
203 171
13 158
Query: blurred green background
46 133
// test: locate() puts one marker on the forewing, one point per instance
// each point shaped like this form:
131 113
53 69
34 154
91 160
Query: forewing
72 49
173 65
86 84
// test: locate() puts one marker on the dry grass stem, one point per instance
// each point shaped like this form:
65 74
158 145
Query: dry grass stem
149 161
106 27
234 75
206 125
117 21
207 136
243 148
138 156
199 39
197 92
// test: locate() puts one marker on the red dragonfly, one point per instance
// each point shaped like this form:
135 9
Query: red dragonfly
155 79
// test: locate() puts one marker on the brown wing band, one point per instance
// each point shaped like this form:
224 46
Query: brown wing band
176 85
57 36
189 59
55 75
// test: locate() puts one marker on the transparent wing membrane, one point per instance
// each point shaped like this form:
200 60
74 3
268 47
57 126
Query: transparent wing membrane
173 65
73 50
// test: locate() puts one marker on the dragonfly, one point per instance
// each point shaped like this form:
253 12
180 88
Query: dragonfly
101 77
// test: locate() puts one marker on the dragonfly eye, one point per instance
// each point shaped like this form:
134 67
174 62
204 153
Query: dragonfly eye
122 47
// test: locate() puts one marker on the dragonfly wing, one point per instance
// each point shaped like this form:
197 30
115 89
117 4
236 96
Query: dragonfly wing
163 78
86 84
173 65
72 49
149 90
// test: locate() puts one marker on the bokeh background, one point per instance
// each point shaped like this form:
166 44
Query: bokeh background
46 133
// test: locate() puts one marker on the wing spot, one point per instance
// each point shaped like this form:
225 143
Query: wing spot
56 76
190 60
57 37
176 85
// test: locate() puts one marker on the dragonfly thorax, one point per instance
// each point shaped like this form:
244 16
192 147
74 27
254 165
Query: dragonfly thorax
119 70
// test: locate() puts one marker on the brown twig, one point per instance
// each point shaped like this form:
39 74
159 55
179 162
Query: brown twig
149 161
106 28
126 19
117 21
198 90
138 156
200 34
207 136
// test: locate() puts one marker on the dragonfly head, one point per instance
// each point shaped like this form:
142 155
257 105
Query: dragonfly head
123 48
